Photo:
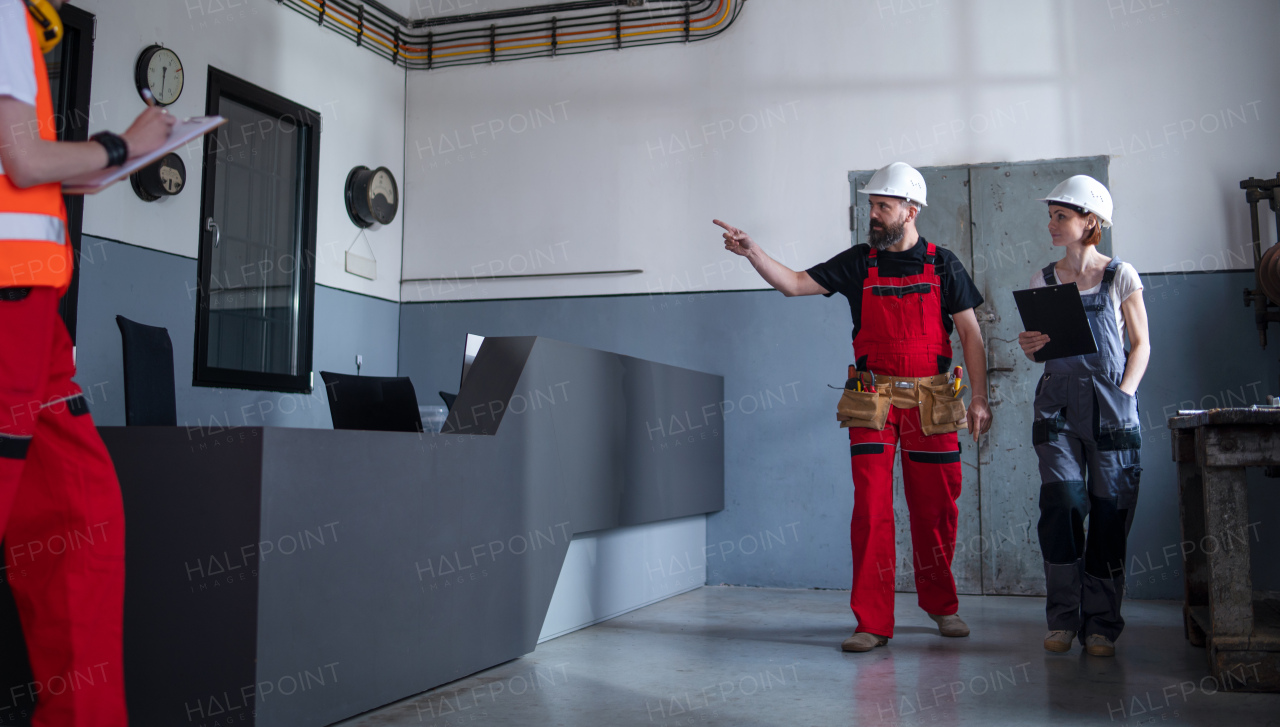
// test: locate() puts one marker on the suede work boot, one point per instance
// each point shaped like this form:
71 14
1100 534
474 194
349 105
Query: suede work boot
863 641
950 625
1059 641
1099 645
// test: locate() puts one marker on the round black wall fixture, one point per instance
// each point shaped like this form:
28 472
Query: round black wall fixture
372 196
165 178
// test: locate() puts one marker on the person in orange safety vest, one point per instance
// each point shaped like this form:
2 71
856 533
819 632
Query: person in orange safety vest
61 517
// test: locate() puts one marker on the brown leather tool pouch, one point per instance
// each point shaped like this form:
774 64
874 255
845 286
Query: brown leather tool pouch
941 411
863 409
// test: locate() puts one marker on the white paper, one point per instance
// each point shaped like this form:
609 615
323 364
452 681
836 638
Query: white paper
469 352
362 266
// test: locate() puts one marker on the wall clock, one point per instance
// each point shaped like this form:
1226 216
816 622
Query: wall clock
159 70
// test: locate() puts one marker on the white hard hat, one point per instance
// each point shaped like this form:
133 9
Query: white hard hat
897 180
1084 192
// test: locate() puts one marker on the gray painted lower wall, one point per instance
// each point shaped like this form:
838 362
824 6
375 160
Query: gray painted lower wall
158 289
788 492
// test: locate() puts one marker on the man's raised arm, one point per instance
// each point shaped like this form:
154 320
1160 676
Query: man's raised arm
780 276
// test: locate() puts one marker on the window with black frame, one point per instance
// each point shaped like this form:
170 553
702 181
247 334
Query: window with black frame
258 239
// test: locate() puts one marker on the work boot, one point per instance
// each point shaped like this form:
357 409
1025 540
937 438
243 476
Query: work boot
1059 641
863 641
1099 645
950 625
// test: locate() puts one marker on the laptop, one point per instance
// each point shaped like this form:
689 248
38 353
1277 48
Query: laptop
470 349
378 403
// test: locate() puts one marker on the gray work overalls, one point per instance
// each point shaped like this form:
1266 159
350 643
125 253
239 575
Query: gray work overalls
1087 437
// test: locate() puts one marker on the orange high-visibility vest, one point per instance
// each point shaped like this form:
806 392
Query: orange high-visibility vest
34 248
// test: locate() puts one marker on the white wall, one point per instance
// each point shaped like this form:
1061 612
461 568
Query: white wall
620 160
360 99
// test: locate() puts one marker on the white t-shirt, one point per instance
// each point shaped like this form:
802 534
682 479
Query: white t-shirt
17 73
1125 284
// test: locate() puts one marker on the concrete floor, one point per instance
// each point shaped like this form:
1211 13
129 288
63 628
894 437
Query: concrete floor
752 656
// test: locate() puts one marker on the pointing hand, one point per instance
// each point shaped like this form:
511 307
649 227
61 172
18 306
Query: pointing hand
736 241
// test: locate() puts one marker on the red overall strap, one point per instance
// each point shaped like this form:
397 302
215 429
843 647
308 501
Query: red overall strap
901 331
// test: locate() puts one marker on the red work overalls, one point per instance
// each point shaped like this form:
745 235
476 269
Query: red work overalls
61 516
902 334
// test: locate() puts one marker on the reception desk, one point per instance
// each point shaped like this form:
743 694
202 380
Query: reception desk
298 577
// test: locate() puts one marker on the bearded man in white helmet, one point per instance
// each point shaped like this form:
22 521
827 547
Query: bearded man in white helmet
906 296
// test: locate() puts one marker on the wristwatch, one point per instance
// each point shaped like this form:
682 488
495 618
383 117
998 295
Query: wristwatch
117 148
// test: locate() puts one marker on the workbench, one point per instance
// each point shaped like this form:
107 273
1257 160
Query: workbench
1239 629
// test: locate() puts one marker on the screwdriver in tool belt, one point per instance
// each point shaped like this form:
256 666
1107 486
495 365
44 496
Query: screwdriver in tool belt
956 373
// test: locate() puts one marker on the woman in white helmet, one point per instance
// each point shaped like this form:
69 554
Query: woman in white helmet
1086 427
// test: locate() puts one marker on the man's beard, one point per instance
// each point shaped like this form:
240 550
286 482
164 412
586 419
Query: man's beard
886 236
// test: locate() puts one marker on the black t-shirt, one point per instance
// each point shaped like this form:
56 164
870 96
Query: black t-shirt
845 273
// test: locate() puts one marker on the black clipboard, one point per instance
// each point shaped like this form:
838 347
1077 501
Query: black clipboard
1056 310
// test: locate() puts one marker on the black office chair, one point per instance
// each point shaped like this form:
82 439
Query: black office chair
149 398
379 403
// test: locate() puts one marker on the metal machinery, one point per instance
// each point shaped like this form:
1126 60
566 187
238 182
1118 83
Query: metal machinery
1265 296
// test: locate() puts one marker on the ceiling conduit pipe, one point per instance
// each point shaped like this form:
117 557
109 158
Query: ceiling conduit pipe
371 25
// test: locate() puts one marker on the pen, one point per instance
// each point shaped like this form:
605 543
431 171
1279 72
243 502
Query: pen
149 97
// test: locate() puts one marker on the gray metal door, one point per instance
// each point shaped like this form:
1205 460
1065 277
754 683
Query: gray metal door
989 217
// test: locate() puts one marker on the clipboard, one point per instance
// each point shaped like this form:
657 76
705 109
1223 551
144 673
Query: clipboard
181 134
1058 311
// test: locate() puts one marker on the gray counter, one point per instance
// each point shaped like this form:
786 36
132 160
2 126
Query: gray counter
298 577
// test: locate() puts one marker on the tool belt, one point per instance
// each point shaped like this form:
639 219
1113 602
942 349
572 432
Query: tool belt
941 409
